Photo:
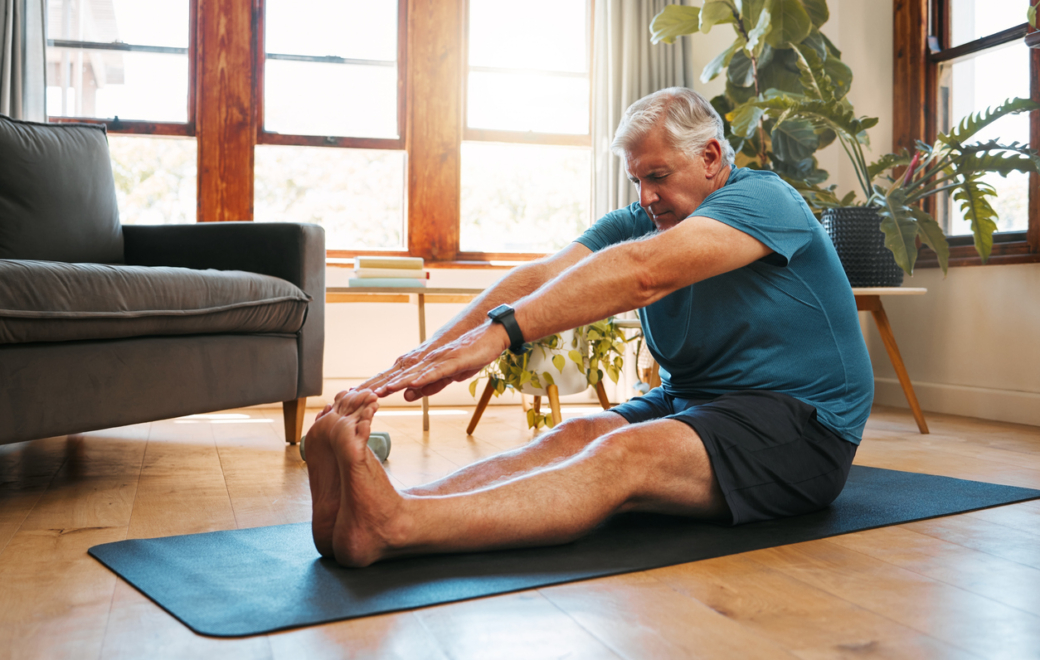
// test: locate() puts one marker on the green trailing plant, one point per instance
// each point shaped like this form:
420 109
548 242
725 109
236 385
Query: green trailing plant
772 39
604 358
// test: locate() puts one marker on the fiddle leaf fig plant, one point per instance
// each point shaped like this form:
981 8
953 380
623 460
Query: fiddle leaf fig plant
603 340
773 39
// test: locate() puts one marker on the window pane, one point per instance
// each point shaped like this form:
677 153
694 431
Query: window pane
548 35
523 198
526 102
970 86
310 98
357 195
138 22
155 179
974 19
87 82
108 84
358 29
357 98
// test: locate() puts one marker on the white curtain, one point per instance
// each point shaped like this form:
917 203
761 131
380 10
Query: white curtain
626 68
23 50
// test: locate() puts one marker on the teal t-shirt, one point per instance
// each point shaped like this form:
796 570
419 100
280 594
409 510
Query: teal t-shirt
786 323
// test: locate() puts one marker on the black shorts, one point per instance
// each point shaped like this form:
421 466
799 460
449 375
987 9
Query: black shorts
771 456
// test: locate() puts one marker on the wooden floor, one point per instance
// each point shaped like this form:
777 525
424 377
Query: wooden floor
965 586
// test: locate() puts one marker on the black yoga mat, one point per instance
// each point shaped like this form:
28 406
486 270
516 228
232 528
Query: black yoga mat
252 581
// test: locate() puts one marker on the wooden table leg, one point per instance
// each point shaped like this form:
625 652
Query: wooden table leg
422 338
601 394
554 404
885 330
481 405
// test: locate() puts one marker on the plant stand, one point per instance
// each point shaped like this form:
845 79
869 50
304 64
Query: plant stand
553 394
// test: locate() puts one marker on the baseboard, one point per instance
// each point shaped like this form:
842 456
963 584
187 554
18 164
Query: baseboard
985 403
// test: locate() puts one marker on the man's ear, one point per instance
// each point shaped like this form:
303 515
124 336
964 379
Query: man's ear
712 156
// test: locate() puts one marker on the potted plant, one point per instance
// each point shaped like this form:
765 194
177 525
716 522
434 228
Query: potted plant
891 202
570 361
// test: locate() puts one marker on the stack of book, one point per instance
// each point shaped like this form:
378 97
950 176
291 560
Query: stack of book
396 272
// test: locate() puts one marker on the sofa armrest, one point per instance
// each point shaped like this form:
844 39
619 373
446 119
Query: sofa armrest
292 251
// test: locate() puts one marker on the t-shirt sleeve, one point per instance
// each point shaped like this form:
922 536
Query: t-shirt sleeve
616 227
766 209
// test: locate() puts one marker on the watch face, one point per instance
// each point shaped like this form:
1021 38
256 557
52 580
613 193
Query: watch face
500 311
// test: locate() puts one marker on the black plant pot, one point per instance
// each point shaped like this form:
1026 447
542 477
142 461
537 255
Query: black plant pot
856 234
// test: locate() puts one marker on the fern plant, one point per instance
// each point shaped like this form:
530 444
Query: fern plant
951 164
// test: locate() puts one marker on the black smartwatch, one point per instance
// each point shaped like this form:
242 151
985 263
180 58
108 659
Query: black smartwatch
504 314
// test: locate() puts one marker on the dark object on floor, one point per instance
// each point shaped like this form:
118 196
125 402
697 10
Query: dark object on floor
137 323
253 581
378 442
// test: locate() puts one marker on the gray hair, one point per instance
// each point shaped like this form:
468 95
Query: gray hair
688 119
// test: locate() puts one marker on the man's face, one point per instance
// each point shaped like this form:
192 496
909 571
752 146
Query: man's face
671 183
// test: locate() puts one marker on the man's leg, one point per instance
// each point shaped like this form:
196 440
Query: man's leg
550 448
658 466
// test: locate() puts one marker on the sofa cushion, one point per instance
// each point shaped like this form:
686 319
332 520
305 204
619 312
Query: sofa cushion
57 194
50 301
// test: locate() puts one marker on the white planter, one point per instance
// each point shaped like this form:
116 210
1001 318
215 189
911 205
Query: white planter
571 381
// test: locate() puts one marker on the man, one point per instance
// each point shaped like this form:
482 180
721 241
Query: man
766 382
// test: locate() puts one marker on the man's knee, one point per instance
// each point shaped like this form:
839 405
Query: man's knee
574 435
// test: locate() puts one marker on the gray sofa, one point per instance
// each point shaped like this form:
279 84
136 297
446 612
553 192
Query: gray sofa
104 325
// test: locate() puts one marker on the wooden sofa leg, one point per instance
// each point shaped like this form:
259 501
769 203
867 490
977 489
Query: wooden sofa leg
292 412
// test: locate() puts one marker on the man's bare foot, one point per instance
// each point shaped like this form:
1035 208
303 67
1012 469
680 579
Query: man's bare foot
371 521
323 469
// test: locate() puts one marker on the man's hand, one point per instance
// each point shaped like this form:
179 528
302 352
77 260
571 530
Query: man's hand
456 361
401 365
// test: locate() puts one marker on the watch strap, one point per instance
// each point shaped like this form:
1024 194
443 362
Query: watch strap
504 315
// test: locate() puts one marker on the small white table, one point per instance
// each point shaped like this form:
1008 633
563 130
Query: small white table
868 299
343 294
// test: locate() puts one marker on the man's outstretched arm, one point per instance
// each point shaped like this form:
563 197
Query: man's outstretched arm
520 282
618 279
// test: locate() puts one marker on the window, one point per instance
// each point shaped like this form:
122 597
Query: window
954 58
330 142
128 63
526 157
455 131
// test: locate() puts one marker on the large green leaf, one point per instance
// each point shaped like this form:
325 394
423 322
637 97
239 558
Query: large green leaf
899 227
814 79
794 140
1000 158
790 23
817 10
721 61
751 12
932 236
1031 15
744 120
757 34
840 75
740 71
832 50
886 162
972 124
674 21
976 208
717 12
816 42
739 94
781 72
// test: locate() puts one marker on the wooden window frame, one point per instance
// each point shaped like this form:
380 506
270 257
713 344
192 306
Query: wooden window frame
143 127
920 34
